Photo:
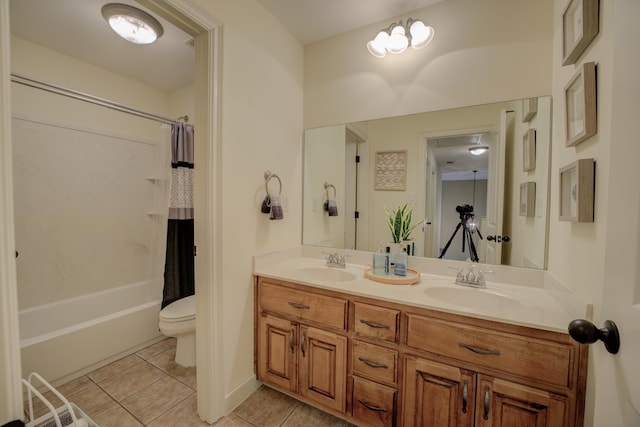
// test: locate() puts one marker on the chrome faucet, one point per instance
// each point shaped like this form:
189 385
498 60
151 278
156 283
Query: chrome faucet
336 259
473 277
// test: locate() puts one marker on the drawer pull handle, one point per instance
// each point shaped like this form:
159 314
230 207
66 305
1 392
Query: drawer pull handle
465 396
372 364
298 306
480 350
291 339
371 407
487 399
374 325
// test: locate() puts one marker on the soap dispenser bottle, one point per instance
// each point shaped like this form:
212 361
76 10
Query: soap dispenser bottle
400 263
380 262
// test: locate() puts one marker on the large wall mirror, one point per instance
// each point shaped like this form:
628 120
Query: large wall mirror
476 179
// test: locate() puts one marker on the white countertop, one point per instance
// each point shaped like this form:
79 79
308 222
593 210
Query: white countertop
550 308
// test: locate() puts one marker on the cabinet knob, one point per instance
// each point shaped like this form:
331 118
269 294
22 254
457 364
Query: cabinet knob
586 332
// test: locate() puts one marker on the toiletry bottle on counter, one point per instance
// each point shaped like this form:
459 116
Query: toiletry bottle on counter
380 262
400 263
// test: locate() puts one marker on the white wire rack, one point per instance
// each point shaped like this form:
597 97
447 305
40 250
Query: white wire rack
66 415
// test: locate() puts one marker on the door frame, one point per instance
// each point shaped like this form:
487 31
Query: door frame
10 367
421 197
207 33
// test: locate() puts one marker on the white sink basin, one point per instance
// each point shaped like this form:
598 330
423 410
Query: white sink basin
326 274
473 298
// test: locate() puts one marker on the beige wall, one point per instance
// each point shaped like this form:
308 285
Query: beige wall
261 129
324 163
482 52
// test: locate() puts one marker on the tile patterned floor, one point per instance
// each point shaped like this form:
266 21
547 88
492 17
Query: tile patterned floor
148 388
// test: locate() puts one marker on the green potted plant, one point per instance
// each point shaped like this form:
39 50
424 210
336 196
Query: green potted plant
399 222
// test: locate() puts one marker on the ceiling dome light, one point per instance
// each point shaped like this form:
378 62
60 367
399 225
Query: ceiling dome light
378 46
476 151
398 41
132 24
421 35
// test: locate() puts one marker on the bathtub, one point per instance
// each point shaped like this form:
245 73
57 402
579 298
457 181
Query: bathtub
66 339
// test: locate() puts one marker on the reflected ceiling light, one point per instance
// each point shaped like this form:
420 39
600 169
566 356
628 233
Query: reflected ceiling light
476 151
397 37
132 24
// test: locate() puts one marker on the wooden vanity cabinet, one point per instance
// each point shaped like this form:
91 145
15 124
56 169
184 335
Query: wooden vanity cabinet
295 355
437 394
376 363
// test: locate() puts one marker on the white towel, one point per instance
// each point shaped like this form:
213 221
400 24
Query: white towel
276 207
331 207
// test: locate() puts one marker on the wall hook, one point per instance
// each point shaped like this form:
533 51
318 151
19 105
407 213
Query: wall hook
327 186
586 332
268 176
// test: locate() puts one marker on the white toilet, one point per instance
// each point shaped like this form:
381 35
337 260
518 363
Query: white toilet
178 319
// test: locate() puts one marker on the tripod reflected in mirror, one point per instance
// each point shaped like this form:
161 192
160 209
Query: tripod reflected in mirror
469 228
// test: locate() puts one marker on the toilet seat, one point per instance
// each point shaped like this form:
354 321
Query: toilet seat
179 311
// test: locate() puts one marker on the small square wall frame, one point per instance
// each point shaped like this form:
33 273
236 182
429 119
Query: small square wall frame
529 109
579 27
529 150
581 105
528 199
577 191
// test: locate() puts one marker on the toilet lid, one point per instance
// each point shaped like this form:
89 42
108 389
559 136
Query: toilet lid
182 309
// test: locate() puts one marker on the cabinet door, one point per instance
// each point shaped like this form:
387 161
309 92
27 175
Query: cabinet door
277 352
505 404
323 367
437 395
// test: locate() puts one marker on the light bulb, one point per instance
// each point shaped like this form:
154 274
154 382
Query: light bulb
397 42
377 46
132 29
421 35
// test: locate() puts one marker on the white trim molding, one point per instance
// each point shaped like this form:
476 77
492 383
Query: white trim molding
10 370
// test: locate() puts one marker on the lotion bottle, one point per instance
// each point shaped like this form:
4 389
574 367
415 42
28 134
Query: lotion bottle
380 262
400 263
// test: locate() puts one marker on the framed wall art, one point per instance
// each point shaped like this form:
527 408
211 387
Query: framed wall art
529 150
528 199
577 191
579 27
581 109
391 170
529 109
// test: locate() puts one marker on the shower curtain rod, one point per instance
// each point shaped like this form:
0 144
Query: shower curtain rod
27 81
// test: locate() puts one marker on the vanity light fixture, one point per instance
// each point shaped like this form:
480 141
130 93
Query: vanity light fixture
131 23
476 151
397 37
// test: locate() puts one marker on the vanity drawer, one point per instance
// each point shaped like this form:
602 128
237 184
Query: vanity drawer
303 305
529 357
375 362
376 322
373 403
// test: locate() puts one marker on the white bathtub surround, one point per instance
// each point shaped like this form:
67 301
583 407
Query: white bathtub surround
514 295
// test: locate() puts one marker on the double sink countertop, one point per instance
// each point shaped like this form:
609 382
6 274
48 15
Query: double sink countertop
517 296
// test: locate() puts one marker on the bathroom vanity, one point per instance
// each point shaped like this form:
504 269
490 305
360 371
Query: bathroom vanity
385 355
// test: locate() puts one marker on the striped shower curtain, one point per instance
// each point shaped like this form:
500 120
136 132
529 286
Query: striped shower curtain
179 269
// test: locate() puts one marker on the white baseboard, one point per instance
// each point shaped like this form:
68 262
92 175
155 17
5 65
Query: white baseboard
240 394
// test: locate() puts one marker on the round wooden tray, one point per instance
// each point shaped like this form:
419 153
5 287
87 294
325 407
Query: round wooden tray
412 277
